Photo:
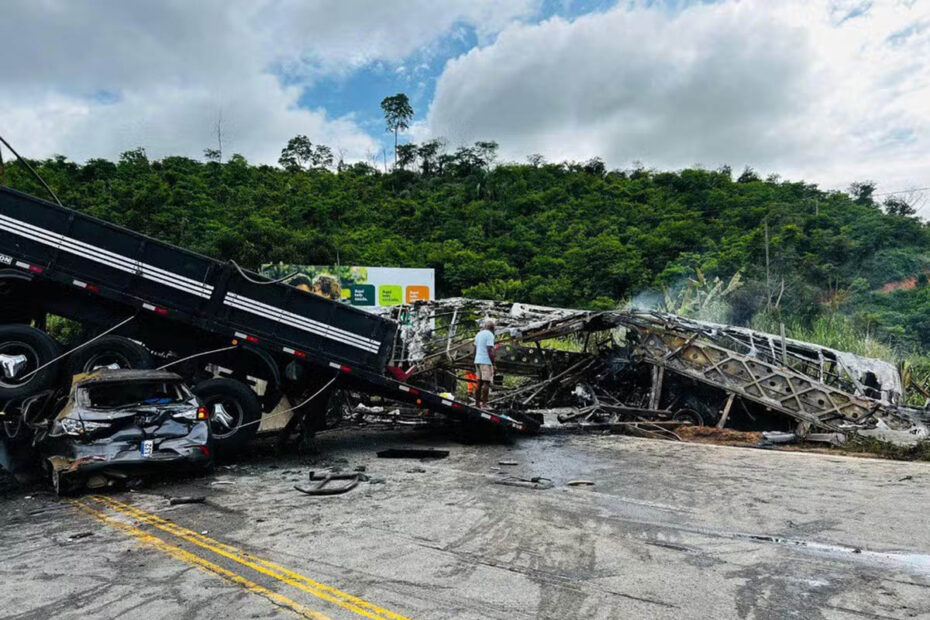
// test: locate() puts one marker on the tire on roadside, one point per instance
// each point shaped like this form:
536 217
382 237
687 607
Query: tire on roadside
107 352
39 348
702 406
235 412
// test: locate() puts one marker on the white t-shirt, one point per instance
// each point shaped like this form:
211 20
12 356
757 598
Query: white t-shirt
483 340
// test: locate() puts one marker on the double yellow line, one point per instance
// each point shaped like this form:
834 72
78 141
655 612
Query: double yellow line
259 565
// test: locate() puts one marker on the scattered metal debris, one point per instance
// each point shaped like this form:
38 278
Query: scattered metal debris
580 483
320 483
195 499
537 482
647 373
413 453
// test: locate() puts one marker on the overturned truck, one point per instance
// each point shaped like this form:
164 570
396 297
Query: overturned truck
650 369
258 353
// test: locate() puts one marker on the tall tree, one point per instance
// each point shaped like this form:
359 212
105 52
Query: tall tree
406 155
297 153
397 114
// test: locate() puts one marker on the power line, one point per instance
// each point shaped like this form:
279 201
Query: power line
903 191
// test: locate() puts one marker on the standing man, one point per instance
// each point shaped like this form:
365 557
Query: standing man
484 363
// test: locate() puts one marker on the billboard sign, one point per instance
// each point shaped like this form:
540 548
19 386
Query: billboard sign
359 286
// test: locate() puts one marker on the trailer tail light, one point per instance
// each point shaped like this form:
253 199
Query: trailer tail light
87 287
294 352
29 267
203 414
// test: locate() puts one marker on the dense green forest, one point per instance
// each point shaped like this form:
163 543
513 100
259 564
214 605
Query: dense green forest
560 234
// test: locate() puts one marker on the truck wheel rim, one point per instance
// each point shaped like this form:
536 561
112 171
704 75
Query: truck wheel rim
221 426
32 362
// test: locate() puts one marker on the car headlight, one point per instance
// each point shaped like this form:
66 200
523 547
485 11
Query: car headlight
72 426
199 413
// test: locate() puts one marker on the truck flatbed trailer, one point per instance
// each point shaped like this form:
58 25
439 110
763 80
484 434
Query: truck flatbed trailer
59 261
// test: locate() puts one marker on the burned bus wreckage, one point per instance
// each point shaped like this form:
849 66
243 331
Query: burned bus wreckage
649 372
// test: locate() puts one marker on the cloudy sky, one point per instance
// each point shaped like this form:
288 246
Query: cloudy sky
829 91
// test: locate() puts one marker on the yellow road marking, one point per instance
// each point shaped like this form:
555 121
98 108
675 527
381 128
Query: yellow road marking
271 569
189 558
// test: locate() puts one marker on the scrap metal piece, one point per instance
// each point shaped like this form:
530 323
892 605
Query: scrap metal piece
536 483
322 484
195 499
413 453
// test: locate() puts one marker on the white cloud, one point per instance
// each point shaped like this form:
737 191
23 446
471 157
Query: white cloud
339 36
827 92
92 79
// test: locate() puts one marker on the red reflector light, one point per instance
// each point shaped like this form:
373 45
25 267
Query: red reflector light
205 450
91 287
203 413
251 338
160 310
414 392
35 269
345 369
494 418
299 354
456 406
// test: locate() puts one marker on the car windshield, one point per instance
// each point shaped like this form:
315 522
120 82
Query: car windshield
125 393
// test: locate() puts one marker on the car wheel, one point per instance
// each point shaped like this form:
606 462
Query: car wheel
65 484
235 412
23 350
109 352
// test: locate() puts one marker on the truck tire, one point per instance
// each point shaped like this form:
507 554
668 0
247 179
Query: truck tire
234 412
37 348
107 351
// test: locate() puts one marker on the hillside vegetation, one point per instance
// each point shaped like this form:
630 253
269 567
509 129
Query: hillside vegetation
569 234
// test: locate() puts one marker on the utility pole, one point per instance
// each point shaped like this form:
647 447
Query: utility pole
2 169
219 134
768 281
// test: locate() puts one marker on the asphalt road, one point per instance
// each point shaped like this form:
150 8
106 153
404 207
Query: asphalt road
668 530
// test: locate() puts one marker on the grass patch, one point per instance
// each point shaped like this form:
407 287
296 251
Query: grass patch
870 445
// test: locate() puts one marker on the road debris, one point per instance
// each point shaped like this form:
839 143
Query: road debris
580 483
413 453
195 499
537 482
321 483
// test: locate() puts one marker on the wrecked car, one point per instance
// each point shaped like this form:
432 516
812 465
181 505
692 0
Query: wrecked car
118 425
